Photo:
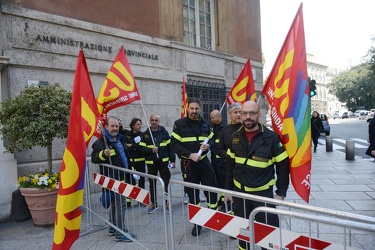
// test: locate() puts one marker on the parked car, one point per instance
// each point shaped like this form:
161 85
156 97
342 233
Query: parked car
363 114
327 127
357 112
336 115
347 115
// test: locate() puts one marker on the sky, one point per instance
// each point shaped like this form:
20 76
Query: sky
337 32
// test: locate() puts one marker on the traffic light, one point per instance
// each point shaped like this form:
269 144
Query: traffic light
312 87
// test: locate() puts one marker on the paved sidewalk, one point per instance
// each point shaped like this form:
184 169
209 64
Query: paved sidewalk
336 184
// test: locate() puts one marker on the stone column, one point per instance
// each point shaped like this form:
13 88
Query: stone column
8 165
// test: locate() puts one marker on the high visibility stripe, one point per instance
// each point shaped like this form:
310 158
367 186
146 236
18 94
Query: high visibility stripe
101 155
176 136
112 152
259 164
191 139
217 156
281 157
217 140
163 160
249 189
137 159
188 139
230 154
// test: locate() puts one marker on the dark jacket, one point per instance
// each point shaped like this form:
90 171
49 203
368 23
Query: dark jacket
251 167
162 141
217 129
225 138
136 157
316 126
187 136
98 157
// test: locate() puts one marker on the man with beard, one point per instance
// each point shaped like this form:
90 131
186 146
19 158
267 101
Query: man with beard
188 137
253 154
110 149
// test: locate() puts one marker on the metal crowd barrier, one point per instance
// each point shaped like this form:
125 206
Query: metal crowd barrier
150 229
223 227
221 230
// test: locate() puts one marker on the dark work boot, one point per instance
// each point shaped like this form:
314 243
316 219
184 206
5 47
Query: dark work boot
196 230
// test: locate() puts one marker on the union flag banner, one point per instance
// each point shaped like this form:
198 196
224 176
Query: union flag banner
184 99
243 89
287 91
83 119
119 87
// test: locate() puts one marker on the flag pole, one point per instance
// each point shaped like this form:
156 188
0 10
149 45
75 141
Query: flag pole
148 126
222 106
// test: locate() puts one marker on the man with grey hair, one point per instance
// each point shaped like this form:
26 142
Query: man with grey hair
234 111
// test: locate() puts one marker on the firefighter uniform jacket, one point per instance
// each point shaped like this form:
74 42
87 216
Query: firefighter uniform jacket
217 129
187 136
136 157
225 138
98 157
162 141
251 165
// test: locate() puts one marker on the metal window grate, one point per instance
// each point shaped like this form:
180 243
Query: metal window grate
211 94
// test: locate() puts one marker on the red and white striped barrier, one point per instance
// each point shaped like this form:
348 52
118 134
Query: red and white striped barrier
265 235
125 189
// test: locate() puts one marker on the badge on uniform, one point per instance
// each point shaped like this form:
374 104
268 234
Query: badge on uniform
235 140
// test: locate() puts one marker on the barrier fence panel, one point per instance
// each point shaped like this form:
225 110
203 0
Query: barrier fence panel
151 230
279 238
221 229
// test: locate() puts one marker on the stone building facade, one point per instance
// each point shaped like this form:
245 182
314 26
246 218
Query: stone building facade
205 41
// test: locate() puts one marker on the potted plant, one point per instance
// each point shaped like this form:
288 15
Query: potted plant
34 118
40 192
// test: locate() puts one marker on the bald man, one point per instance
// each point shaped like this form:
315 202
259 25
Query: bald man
217 162
255 154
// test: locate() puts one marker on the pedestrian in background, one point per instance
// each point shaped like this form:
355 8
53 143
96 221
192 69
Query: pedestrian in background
110 149
188 137
254 152
137 160
316 128
155 146
371 139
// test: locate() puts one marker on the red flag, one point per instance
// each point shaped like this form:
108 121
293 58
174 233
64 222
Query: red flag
184 99
83 119
243 89
119 87
287 91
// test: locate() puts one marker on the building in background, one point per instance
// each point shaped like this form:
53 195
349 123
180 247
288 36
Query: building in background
323 102
205 41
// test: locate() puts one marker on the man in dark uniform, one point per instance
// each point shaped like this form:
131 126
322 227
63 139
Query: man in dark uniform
155 146
188 137
217 162
253 154
234 111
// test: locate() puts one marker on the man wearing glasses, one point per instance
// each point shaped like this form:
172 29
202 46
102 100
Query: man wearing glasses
253 155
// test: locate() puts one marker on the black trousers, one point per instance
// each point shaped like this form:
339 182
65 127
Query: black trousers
199 173
165 175
243 208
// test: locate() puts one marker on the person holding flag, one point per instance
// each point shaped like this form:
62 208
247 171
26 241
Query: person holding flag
110 149
191 141
254 152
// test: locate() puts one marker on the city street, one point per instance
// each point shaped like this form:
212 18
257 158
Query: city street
348 129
